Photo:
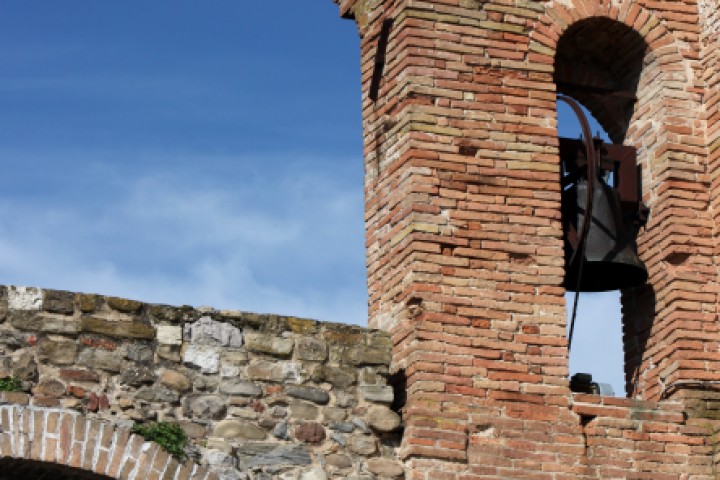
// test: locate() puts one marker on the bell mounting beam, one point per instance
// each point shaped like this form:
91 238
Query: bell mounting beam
570 88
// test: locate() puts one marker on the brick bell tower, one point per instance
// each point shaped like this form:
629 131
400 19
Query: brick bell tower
465 244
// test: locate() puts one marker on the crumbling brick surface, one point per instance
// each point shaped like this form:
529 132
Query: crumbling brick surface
464 240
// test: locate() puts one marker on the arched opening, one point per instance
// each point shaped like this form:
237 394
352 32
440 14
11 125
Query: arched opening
597 346
599 63
16 468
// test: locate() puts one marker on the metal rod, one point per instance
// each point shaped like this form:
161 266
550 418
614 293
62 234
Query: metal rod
587 219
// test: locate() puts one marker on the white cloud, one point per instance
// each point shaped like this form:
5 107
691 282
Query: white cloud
271 243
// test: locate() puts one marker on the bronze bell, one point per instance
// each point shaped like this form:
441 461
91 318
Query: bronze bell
600 251
610 260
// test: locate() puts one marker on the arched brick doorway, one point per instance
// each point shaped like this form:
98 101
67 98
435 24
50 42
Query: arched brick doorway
14 469
49 443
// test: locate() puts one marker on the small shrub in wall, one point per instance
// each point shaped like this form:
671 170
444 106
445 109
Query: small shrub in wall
10 384
168 435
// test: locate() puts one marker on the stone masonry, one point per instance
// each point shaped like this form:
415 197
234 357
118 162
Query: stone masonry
260 396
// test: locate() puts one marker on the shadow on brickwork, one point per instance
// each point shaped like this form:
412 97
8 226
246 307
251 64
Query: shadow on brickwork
18 469
638 315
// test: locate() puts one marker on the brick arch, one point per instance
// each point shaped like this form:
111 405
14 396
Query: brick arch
558 17
69 443
637 35
605 54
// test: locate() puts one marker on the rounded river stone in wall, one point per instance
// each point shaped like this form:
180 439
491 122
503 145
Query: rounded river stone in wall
49 387
230 429
310 432
338 461
385 467
176 380
241 388
303 410
314 395
383 419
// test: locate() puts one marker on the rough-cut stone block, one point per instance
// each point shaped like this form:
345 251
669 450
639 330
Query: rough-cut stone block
58 301
77 375
312 349
58 352
289 372
44 322
194 430
205 407
237 429
119 329
86 302
303 410
269 344
111 361
314 395
340 377
123 304
207 331
136 375
206 358
169 335
260 454
362 355
167 313
157 394
377 393
24 367
139 352
24 298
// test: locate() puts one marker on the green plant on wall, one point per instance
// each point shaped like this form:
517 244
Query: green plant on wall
168 435
10 384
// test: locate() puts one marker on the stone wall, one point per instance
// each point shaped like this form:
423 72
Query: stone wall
260 396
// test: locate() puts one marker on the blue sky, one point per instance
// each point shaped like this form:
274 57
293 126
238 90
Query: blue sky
197 153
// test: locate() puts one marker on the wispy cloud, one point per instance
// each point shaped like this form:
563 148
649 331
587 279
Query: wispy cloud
265 244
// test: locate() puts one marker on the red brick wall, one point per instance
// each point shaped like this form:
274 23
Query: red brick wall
465 256
710 40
